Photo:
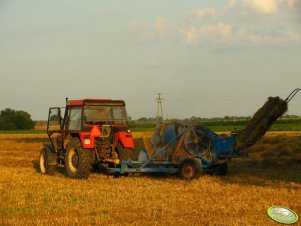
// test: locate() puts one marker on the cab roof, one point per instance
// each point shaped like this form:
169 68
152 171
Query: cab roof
90 101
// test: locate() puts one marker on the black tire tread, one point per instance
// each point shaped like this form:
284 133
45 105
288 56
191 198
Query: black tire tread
122 152
195 163
85 160
50 169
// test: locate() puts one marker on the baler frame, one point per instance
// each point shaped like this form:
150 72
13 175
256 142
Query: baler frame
146 164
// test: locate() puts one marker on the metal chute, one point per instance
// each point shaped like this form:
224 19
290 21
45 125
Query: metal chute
262 120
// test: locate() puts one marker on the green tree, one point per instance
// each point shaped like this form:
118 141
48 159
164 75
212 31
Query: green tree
11 120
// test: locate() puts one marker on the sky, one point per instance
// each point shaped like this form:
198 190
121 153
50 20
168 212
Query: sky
208 58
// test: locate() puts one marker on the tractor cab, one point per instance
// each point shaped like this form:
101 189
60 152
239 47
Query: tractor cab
91 132
83 114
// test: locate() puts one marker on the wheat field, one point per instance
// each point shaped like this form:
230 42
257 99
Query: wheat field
270 176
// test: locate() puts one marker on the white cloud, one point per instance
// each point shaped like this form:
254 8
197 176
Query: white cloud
264 6
134 24
161 24
205 12
191 35
226 33
220 32
293 36
196 29
241 35
260 6
291 3
158 28
217 32
232 3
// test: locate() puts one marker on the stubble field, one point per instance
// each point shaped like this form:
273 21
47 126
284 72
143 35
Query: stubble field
270 176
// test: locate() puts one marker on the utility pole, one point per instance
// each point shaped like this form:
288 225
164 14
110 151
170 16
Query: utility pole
159 108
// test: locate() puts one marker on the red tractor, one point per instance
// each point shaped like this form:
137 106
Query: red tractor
93 132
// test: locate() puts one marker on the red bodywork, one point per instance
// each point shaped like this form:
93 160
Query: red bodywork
81 102
125 138
95 132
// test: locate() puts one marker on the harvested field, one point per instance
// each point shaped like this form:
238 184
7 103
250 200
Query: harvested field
270 176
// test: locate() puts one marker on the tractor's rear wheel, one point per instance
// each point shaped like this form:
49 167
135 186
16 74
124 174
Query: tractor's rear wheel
47 161
190 168
122 152
78 161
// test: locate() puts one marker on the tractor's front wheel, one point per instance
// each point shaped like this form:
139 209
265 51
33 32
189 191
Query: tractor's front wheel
47 161
190 168
78 161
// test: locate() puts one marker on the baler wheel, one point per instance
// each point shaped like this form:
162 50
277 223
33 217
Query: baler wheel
46 165
78 161
190 168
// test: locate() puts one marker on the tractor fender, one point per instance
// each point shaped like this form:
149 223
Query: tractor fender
51 155
88 138
125 138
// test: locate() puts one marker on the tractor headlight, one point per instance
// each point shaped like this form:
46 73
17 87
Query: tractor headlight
129 130
87 141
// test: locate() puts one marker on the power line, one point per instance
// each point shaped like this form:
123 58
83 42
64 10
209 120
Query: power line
159 100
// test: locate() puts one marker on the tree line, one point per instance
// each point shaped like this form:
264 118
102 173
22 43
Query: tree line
11 119
216 121
15 120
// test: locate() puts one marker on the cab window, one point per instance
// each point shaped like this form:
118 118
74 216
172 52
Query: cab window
75 117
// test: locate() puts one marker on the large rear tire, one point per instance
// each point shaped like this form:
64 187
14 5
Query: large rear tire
190 168
47 161
78 161
122 152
